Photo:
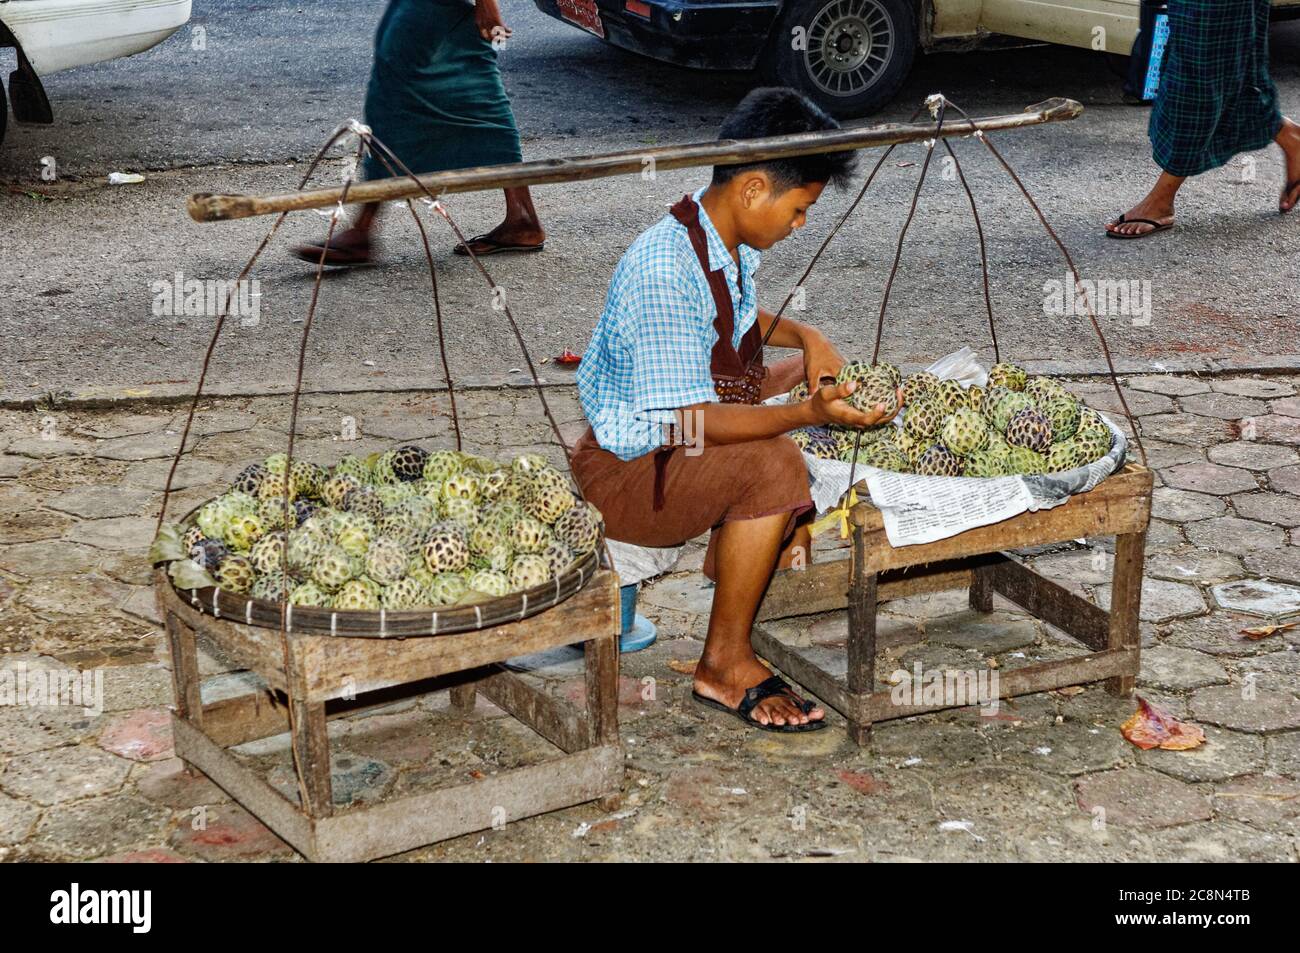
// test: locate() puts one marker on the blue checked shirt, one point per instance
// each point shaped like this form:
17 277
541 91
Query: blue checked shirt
651 350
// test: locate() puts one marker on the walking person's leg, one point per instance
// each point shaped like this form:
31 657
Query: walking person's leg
436 100
521 230
1154 213
1216 100
1288 137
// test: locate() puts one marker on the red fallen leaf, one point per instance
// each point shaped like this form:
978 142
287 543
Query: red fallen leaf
1153 727
477 775
568 357
1264 631
863 783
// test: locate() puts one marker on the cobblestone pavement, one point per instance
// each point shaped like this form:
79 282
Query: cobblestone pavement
79 491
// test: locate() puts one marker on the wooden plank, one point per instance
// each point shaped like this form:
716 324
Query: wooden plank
382 830
1059 525
1052 603
879 706
206 207
244 718
244 785
558 722
331 664
823 587
816 680
1126 604
919 580
819 587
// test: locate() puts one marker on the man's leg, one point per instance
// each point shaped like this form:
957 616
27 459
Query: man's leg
1158 206
747 553
1288 137
351 246
521 226
797 554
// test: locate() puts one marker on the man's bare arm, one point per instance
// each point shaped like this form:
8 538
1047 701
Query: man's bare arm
738 423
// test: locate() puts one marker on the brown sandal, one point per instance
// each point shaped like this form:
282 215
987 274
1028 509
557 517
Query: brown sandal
341 252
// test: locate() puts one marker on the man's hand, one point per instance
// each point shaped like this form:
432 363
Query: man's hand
820 359
829 406
488 18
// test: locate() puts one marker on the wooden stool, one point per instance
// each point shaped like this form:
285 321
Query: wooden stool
1119 506
329 676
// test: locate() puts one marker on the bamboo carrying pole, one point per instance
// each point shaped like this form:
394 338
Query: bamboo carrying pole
207 207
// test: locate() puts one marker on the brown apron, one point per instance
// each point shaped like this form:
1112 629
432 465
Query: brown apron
737 375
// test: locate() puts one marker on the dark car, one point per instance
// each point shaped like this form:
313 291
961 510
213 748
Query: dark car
850 56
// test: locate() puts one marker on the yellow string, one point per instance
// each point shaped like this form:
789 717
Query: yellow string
838 515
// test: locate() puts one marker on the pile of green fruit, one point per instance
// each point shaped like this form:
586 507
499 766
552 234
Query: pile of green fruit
402 529
1017 425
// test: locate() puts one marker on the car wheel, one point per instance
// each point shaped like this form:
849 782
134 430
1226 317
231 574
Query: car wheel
848 56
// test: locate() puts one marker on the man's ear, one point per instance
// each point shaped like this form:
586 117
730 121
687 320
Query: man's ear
755 187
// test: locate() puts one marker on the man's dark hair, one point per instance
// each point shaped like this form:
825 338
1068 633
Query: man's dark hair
780 111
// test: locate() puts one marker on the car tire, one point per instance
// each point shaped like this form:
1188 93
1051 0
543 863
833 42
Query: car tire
854 57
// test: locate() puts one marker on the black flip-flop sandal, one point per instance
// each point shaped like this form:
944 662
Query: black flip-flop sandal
494 247
1290 187
1156 227
768 688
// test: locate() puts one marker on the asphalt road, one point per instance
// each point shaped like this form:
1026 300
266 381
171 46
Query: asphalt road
80 260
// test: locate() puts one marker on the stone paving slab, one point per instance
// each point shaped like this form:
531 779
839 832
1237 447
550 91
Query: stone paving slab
1025 781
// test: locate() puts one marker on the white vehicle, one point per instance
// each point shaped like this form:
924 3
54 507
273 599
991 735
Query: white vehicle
50 35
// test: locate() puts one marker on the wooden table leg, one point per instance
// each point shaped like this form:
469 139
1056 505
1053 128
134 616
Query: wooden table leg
462 698
862 634
981 588
312 751
601 657
1126 603
185 675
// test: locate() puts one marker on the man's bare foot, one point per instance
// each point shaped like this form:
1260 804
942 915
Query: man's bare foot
1149 208
348 247
1289 139
729 686
505 237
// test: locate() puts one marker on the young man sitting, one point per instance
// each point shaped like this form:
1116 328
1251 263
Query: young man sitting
671 384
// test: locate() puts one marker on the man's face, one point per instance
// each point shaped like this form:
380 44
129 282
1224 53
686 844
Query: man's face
766 216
